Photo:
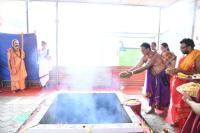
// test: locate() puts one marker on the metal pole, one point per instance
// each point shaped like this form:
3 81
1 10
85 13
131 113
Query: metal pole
158 41
57 72
194 18
27 17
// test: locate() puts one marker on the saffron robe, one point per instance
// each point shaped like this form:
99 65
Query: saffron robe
179 109
17 69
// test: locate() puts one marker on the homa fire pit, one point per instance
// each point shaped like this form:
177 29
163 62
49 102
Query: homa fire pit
84 112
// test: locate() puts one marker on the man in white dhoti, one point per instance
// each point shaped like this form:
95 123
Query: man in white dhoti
44 64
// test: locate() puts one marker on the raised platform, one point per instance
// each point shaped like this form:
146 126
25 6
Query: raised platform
89 112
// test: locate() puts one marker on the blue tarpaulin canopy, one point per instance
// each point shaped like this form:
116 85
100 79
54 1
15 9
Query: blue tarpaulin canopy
30 49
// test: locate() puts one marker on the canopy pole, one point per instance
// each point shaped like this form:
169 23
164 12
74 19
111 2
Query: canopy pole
27 17
159 21
57 72
194 19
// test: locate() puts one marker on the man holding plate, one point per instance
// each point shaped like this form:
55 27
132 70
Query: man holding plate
189 64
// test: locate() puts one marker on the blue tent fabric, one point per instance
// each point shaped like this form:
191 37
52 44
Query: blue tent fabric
31 55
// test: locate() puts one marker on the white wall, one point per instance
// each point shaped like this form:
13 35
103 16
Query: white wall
197 27
176 24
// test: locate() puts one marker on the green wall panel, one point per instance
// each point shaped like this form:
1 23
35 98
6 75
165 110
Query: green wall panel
129 56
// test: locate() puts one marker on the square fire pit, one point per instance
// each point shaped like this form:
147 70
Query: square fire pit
84 113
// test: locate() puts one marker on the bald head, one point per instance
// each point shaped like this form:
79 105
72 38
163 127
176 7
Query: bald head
15 44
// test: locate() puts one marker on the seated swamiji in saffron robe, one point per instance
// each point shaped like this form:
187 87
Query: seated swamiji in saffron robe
16 66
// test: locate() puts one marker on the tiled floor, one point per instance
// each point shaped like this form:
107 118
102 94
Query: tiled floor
15 110
156 122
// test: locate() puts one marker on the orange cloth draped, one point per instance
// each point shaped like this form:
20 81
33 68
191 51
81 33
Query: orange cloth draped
189 60
17 69
179 109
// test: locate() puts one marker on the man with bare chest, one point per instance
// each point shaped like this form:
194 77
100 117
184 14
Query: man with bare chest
157 81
